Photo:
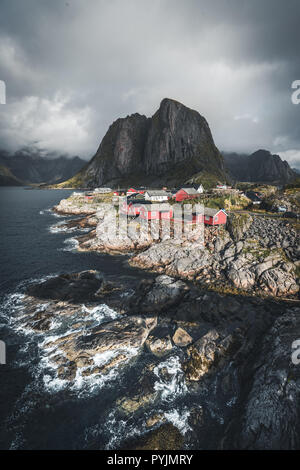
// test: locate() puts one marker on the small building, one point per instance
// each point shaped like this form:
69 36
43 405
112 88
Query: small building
186 193
157 195
131 191
255 198
281 209
102 190
135 190
149 214
214 216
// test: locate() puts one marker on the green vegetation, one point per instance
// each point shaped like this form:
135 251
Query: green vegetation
294 185
260 253
74 182
227 202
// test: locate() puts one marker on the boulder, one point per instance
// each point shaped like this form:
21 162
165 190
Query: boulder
159 346
181 338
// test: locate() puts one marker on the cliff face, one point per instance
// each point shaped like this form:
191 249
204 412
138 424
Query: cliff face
120 154
261 166
180 138
170 147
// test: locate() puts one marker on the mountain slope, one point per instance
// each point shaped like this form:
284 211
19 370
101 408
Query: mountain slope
7 178
169 148
260 166
29 166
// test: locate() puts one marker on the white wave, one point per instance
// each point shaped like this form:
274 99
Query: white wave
179 419
118 429
61 228
72 244
100 313
173 384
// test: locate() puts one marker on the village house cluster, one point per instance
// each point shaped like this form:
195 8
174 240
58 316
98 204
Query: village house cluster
157 204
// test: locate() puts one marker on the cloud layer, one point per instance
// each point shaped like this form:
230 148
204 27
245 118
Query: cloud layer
72 67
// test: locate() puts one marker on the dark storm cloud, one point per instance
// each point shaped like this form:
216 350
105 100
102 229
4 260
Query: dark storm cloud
72 67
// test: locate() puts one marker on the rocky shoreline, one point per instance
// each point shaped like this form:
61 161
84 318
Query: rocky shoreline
232 348
251 255
227 350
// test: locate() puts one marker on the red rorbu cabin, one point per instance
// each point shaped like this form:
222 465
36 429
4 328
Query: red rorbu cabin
133 190
214 216
166 214
186 193
149 214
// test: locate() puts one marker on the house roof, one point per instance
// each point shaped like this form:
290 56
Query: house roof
158 192
189 190
212 212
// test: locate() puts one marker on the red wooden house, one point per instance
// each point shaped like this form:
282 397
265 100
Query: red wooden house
186 193
149 214
214 216
166 214
133 190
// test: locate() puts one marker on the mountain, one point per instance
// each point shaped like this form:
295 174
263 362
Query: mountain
7 178
172 146
260 166
296 170
31 166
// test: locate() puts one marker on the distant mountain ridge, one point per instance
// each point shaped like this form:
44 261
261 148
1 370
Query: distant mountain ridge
171 147
30 166
261 166
7 178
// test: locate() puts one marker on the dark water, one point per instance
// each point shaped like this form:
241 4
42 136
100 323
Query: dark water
36 411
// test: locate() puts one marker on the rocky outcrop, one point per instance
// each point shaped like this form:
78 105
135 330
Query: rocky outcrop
228 358
76 205
237 225
181 338
73 287
166 437
271 412
170 147
262 257
101 348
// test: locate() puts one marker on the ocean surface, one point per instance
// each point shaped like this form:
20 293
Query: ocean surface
38 411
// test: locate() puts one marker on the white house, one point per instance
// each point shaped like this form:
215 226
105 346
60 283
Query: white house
102 190
158 195
200 189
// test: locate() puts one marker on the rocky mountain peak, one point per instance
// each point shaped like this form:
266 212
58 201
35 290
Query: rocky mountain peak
170 147
260 166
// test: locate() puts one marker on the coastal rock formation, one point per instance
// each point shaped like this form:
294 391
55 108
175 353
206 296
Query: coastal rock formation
233 352
172 146
75 206
182 338
271 414
101 348
262 257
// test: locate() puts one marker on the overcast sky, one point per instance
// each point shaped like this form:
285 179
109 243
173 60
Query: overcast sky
72 67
